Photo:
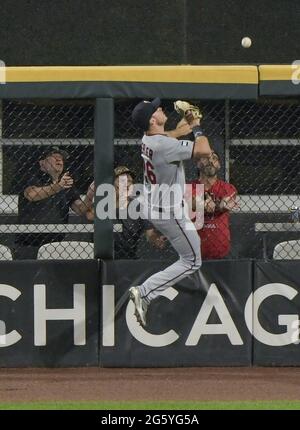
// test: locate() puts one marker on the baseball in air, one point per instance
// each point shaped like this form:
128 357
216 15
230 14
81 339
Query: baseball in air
246 42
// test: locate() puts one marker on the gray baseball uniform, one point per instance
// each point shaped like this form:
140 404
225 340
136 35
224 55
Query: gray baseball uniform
164 170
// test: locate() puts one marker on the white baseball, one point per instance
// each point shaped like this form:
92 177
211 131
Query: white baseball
246 42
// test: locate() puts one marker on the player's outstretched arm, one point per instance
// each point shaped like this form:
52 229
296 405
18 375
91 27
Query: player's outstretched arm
201 146
182 129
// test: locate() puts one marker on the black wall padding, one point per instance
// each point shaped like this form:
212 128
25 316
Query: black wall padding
91 32
216 27
101 32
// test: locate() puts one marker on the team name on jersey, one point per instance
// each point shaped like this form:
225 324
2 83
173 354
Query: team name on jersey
147 151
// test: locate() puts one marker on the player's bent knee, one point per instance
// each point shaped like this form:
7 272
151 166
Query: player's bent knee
194 262
198 263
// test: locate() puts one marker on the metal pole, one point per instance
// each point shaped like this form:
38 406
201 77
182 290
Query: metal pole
103 169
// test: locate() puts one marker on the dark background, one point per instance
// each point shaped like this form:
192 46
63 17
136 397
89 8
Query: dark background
101 32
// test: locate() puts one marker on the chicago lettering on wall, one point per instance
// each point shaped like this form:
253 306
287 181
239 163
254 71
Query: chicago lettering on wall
200 321
50 313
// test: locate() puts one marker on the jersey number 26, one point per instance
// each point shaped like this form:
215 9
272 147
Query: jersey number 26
149 172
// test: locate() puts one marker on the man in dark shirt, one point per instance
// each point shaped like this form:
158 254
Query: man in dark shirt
46 199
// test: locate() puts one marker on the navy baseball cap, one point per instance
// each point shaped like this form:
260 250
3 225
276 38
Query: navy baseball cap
143 111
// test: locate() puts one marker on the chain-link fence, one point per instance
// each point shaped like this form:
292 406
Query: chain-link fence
257 145
47 167
257 152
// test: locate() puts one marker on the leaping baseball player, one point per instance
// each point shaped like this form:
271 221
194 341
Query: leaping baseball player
163 169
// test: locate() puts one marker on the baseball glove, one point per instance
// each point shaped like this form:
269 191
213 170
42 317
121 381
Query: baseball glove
185 108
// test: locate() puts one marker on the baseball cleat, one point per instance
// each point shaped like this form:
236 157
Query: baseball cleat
139 304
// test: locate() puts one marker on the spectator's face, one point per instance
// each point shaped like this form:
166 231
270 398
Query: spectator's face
53 164
209 166
123 185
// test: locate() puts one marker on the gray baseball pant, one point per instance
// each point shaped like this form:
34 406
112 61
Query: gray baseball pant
183 236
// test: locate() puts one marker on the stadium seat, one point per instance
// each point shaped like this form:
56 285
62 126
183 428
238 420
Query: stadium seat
5 253
66 250
289 250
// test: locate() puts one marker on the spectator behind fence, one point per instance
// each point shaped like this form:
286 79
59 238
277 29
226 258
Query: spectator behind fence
46 199
127 232
219 200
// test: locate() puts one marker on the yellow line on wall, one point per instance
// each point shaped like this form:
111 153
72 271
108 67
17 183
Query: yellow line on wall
171 74
278 72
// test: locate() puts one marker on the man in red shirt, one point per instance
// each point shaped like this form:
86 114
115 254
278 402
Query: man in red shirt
219 200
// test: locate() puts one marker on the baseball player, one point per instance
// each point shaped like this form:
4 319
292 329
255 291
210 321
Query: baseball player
163 166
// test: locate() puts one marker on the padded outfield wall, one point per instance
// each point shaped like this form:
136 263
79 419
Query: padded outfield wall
97 32
63 313
77 313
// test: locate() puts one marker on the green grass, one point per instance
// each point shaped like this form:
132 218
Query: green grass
275 405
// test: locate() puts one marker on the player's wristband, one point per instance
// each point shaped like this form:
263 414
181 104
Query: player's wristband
197 131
